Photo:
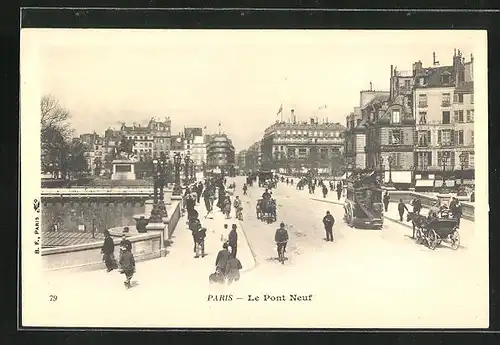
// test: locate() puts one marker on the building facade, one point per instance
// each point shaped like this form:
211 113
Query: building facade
355 140
220 153
298 146
444 111
253 157
240 160
390 129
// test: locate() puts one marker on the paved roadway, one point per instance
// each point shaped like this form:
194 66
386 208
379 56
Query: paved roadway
381 269
366 278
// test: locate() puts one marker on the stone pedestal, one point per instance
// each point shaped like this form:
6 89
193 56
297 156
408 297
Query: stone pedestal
123 170
148 207
444 199
167 196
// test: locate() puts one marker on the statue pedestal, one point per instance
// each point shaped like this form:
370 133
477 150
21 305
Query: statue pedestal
123 170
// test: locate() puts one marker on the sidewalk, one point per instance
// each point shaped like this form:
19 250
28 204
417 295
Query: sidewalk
181 249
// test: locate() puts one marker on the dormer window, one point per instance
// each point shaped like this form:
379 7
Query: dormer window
445 78
396 116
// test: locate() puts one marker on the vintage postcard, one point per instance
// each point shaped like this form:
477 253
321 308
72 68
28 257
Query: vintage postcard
254 179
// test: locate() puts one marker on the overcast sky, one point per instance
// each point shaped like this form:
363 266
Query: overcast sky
238 78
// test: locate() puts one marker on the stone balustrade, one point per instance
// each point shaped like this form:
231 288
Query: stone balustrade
428 200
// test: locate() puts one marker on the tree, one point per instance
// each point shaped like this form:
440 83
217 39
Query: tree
55 132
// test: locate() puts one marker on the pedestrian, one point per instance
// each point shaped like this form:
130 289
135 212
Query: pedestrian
386 200
245 189
401 209
200 235
233 268
194 226
233 240
417 205
456 210
125 242
328 222
127 265
325 191
108 251
339 190
222 259
227 207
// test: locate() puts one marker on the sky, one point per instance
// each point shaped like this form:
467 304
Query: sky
238 78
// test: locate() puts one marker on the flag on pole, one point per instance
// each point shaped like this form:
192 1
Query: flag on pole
280 109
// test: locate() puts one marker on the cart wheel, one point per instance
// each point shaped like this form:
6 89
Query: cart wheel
432 240
455 240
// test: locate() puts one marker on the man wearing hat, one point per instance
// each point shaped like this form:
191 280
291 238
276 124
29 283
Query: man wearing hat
222 259
328 222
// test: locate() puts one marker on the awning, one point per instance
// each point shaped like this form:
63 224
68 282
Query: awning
398 176
424 183
439 183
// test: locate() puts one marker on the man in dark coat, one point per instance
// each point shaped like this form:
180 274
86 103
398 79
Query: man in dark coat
401 209
328 222
127 265
233 240
325 191
222 259
339 190
108 251
386 200
199 236
456 210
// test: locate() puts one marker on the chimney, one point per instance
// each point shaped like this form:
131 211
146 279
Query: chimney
392 69
312 120
471 57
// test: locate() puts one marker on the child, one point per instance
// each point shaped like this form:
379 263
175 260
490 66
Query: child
127 264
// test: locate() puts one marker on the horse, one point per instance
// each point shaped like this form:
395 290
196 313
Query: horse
418 221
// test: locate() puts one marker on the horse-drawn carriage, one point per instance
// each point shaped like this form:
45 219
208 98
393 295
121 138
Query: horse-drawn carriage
266 210
435 230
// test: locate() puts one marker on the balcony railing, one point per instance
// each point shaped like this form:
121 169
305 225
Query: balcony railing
445 104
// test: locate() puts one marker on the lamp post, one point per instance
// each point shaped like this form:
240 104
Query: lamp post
193 170
444 159
177 167
461 190
186 169
390 160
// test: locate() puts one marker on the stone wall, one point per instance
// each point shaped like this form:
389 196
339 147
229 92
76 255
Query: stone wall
88 256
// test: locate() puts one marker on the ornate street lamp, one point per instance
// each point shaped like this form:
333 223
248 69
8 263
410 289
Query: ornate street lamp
461 190
193 171
186 169
390 160
444 159
177 166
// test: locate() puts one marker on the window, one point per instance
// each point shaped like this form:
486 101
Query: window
445 137
468 116
424 138
472 137
396 116
445 100
422 101
407 84
459 137
423 117
446 117
459 116
446 79
395 137
472 99
460 98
